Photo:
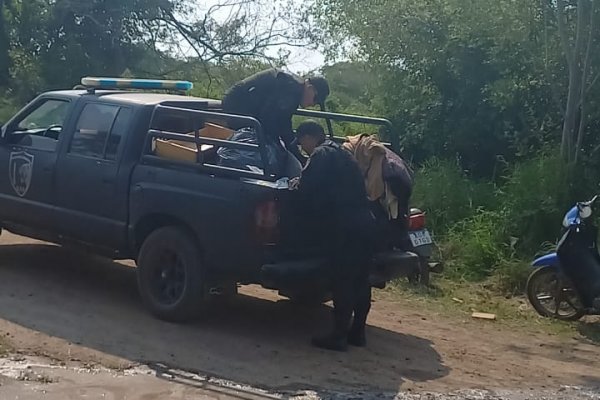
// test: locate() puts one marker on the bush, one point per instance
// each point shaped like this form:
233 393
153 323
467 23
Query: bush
445 192
535 196
492 233
476 245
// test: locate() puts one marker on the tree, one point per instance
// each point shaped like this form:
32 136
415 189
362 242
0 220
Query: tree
54 43
464 79
579 39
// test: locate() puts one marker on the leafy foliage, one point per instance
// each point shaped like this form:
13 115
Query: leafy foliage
52 44
473 79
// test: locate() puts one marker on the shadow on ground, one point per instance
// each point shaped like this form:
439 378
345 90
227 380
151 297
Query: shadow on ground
590 330
248 340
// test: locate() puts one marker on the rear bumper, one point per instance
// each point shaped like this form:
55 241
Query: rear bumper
392 265
384 268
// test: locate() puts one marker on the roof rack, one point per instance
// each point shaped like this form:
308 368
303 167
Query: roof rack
93 83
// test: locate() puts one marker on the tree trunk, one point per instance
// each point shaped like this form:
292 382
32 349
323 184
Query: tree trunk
578 62
571 111
584 79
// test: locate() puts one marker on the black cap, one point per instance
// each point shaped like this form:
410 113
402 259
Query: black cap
322 88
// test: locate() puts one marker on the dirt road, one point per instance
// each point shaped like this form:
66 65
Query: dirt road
73 312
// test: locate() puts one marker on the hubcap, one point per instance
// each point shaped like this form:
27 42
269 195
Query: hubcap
168 278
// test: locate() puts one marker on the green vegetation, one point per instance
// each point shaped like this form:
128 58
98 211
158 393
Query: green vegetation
496 106
490 232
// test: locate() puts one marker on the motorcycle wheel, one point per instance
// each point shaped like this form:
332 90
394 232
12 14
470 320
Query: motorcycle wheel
421 277
552 296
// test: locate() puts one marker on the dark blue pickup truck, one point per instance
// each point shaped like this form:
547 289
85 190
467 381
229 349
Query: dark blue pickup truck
83 168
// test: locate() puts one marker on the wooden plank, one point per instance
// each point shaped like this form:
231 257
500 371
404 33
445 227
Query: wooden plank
486 316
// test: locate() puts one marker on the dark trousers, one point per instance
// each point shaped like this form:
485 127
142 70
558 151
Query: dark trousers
351 289
351 292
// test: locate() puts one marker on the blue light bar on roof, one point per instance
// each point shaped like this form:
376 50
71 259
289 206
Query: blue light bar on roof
148 84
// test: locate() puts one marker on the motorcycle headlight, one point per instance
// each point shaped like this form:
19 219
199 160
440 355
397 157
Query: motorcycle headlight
585 211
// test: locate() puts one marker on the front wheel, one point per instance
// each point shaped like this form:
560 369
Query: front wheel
553 296
170 274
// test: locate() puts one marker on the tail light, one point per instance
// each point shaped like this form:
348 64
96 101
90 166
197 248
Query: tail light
266 218
416 221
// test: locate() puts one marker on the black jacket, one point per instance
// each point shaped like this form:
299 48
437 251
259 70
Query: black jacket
270 96
332 191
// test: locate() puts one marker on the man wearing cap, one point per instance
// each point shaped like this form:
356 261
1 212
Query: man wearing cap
272 96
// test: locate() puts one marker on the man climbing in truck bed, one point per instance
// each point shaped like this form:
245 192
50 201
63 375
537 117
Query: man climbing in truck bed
272 96
331 197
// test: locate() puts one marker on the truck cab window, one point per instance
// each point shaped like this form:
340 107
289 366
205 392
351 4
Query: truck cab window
41 127
93 129
117 132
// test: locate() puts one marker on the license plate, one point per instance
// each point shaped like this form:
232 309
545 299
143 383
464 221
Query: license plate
420 238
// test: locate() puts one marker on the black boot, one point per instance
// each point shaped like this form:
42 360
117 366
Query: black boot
337 340
331 342
357 336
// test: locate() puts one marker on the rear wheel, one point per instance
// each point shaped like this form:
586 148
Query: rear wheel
170 274
421 276
552 296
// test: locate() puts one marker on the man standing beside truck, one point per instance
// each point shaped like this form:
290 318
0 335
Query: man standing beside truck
331 196
272 96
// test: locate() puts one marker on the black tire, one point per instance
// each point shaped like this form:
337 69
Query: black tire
548 278
170 273
422 276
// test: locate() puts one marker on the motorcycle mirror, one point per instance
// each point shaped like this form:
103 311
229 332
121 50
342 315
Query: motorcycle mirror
587 203
585 211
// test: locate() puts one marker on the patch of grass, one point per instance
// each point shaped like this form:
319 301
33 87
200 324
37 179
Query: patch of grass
510 276
459 300
589 330
475 246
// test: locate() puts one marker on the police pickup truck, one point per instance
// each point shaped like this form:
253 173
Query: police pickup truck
129 172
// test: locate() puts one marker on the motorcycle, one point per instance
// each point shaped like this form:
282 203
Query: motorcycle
422 245
566 284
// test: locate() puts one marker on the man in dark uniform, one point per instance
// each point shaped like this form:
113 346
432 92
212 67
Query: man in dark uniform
331 196
272 96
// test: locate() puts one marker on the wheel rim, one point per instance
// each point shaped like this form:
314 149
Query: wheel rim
168 278
556 296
